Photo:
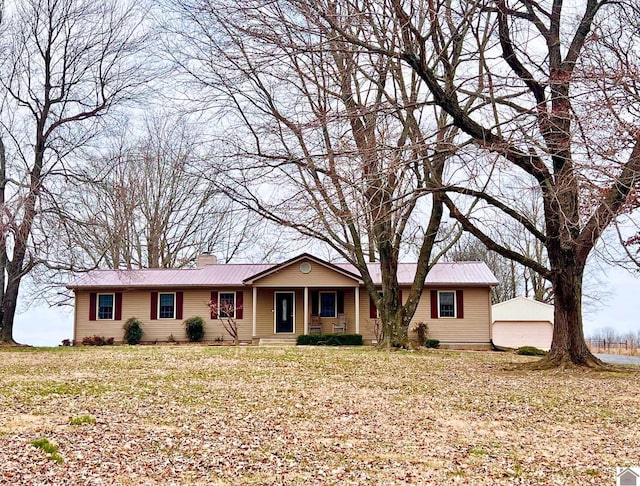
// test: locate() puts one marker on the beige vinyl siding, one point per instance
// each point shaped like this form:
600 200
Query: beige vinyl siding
319 276
473 328
366 323
137 303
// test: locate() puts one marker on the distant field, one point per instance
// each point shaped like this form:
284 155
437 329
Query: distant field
224 415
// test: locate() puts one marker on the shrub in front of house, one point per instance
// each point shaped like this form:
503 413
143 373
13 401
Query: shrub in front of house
133 331
530 351
431 343
420 328
194 326
329 339
97 341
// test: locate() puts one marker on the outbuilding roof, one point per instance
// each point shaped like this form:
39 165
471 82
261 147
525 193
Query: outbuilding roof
522 309
237 275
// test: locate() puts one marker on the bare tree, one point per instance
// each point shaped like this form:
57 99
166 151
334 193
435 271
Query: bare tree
545 121
332 142
515 279
146 204
65 64
226 313
507 272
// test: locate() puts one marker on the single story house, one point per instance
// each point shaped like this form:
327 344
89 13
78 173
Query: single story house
270 301
522 322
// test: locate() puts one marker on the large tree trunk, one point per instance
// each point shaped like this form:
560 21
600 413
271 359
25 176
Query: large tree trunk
568 348
394 333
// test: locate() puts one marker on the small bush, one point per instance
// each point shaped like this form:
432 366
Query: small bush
49 448
66 342
133 331
431 343
97 341
329 339
82 419
195 329
530 351
420 328
171 338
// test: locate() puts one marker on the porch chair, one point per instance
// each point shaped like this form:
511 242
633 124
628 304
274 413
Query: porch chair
315 326
340 327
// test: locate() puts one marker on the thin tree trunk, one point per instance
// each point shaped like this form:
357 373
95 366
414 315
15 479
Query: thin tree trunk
9 303
3 234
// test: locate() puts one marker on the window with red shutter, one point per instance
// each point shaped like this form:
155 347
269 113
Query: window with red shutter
154 305
179 304
434 304
459 305
118 310
373 310
92 306
239 303
214 304
227 304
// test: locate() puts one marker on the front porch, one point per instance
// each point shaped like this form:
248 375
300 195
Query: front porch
286 312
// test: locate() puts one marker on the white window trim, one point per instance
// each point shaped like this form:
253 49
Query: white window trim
455 304
335 303
175 303
113 308
220 292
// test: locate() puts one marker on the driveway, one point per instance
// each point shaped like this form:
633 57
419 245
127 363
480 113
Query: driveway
619 359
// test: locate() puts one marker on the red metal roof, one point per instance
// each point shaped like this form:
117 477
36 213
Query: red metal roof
447 273
348 271
207 276
458 273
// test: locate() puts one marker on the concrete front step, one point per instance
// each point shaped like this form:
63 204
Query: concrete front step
277 342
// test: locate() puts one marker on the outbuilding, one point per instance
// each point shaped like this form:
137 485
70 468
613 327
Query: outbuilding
522 322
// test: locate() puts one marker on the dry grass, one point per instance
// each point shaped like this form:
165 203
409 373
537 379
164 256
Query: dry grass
219 415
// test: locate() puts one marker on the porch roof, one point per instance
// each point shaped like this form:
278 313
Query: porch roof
244 274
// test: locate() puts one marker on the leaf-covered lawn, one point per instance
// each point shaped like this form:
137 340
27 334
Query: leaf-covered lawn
248 415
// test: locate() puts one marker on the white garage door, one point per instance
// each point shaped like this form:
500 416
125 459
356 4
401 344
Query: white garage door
511 334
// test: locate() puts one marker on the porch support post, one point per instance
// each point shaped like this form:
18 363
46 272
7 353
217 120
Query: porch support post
306 310
254 305
357 297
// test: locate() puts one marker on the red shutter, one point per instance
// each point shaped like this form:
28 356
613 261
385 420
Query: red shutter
214 303
179 303
239 302
92 306
154 305
315 297
434 304
399 297
340 305
373 310
118 304
459 304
